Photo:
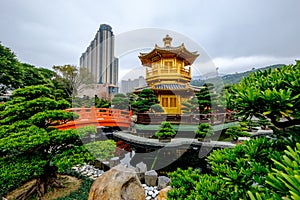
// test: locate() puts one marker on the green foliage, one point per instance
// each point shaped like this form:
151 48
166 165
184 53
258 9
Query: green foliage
146 98
234 172
206 98
257 169
88 102
14 172
264 123
14 74
157 108
243 125
86 131
101 103
236 131
29 101
166 130
10 70
285 176
72 156
190 184
27 138
36 76
190 105
66 77
102 150
204 130
120 101
283 182
272 94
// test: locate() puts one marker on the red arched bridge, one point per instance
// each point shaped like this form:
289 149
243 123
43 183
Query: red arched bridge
98 117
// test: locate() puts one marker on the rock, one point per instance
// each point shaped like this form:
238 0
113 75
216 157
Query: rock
163 182
163 193
75 168
148 198
141 169
150 188
153 195
151 178
114 162
117 183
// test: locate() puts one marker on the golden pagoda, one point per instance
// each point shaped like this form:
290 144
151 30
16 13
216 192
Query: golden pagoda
168 74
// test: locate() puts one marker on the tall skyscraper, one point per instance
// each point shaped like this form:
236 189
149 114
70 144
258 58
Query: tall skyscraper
99 58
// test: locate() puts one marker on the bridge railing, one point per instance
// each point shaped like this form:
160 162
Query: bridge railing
155 118
97 117
93 113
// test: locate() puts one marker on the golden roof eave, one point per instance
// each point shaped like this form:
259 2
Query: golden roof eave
179 52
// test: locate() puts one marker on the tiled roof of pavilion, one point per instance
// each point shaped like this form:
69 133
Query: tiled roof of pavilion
170 86
168 51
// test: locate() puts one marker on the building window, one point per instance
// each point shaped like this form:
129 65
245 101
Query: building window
165 102
168 64
173 102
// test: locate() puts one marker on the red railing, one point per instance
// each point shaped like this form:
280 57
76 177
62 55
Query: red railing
97 117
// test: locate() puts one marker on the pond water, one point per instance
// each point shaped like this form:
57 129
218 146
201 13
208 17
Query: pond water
163 160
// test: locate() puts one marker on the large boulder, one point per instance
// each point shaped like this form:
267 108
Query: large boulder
119 182
163 194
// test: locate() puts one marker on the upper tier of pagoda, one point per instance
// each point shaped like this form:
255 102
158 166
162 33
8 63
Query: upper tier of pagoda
168 51
168 64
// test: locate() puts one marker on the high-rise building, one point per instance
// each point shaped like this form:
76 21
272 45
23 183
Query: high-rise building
129 85
99 59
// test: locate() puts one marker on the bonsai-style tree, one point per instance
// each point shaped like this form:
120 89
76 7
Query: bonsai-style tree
157 108
120 101
30 147
144 101
204 130
236 131
206 98
244 125
166 130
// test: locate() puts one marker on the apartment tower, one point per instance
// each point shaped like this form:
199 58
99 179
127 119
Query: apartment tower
99 59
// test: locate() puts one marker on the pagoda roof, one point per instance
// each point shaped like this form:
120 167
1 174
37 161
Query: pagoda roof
170 86
168 51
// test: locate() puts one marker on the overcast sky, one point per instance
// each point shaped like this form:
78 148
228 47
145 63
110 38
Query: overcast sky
236 34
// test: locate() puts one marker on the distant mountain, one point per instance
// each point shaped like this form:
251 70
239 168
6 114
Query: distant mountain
232 78
235 78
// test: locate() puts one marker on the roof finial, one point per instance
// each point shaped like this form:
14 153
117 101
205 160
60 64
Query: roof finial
167 40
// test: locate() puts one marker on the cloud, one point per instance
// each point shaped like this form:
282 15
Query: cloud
239 64
47 33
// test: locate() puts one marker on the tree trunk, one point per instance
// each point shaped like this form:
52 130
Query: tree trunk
43 183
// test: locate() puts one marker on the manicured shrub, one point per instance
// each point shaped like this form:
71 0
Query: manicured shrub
166 130
204 130
236 131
